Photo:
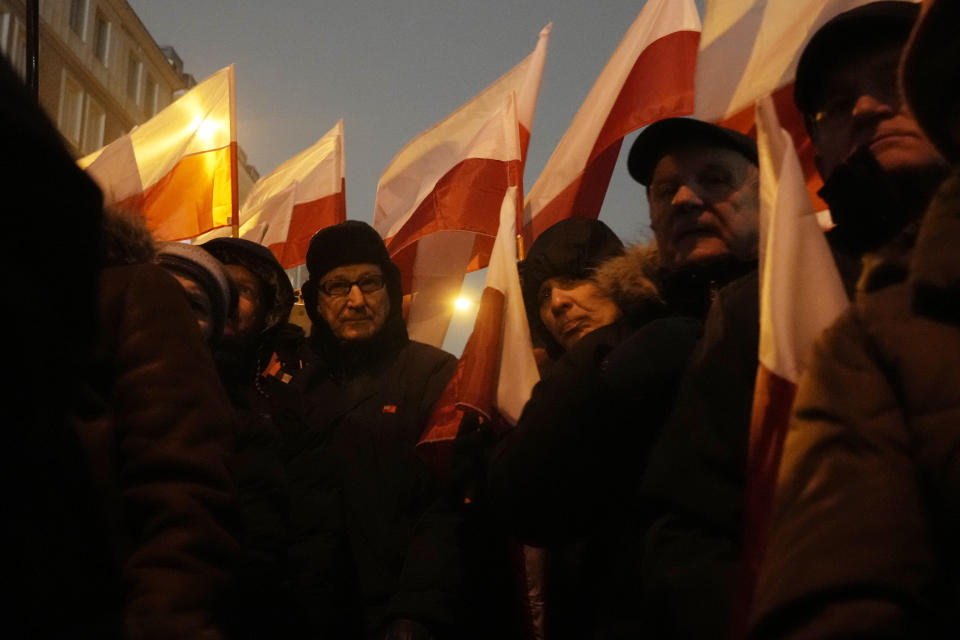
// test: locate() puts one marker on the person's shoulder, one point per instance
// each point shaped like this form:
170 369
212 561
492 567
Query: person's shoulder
427 353
746 286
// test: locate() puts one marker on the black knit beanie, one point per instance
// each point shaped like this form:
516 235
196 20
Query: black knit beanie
350 242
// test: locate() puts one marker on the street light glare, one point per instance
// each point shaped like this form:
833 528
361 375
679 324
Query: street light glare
461 304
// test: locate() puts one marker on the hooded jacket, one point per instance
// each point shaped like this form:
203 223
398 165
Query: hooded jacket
156 426
565 476
362 548
865 520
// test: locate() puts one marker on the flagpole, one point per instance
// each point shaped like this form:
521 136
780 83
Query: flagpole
234 162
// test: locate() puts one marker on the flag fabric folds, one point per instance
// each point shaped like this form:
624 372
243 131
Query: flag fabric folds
301 196
438 201
497 370
178 169
801 294
649 77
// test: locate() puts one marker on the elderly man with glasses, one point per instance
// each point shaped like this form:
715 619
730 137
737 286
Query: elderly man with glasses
364 555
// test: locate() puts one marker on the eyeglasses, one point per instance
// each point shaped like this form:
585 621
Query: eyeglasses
341 288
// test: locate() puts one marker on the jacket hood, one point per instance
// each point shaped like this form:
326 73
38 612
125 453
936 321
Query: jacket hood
573 249
264 265
125 239
629 280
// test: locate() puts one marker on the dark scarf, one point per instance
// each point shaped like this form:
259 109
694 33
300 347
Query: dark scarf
870 206
689 289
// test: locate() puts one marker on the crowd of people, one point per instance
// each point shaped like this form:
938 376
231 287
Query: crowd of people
183 461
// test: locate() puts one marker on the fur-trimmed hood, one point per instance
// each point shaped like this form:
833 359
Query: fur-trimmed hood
630 281
125 239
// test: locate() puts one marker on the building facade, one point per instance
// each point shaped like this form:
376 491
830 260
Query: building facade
100 71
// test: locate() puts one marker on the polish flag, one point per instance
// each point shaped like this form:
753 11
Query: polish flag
437 201
497 370
648 78
801 294
297 199
178 169
749 49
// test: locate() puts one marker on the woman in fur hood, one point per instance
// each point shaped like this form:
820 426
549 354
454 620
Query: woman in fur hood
565 478
577 278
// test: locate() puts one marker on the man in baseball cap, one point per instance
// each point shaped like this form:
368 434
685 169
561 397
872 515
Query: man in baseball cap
879 167
702 187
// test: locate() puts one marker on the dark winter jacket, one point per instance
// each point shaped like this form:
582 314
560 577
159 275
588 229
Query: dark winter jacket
868 498
696 478
364 550
267 407
694 481
157 429
566 476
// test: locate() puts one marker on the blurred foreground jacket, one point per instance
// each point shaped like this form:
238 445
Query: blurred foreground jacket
157 426
868 497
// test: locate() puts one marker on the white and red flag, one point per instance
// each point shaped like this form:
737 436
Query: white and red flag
649 77
801 294
178 169
749 49
301 196
438 201
497 370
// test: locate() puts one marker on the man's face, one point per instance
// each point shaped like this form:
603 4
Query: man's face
251 304
570 309
860 106
357 314
704 203
199 303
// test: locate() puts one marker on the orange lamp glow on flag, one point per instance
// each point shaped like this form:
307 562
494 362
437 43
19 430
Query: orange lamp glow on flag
178 169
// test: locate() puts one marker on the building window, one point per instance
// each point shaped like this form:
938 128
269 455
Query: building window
134 67
93 127
71 109
150 96
101 38
78 17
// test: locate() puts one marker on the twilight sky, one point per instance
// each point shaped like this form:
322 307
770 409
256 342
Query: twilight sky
391 69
